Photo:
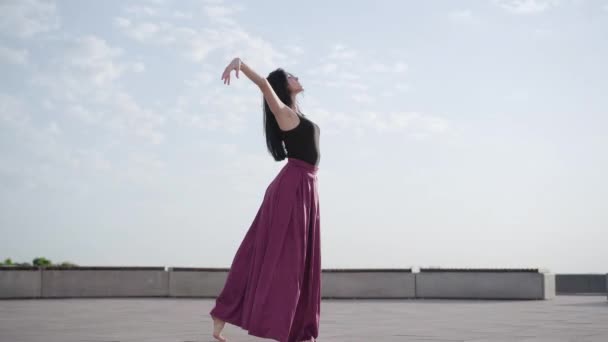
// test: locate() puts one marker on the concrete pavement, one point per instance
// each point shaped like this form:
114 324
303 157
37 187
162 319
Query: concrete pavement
564 318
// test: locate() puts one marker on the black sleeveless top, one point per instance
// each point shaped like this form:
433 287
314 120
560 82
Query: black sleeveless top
302 142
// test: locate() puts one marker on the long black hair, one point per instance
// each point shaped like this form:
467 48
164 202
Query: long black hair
274 140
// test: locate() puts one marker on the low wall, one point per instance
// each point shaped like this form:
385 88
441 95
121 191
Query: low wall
55 282
24 282
370 283
581 283
484 284
196 282
105 282
336 283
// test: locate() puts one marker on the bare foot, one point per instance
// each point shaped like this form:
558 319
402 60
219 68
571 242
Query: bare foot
218 326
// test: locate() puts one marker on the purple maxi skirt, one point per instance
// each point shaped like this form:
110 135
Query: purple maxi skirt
273 289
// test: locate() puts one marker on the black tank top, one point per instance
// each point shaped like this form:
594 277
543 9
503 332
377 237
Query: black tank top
302 142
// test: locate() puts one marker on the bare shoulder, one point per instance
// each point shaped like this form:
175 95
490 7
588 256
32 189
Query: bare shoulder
288 120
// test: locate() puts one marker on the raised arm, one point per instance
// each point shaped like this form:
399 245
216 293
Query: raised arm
286 117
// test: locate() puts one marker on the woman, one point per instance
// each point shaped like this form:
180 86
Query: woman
273 289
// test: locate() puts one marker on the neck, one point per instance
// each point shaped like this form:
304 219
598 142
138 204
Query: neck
294 105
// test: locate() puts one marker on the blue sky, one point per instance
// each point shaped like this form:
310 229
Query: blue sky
453 134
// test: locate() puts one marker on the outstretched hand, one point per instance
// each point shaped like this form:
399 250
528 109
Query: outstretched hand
234 65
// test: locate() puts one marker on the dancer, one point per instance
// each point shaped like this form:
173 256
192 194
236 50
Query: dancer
273 289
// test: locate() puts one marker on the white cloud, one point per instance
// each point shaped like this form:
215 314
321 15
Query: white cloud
122 22
138 67
87 116
402 87
53 128
328 68
363 98
341 52
378 67
398 67
461 16
83 80
199 79
143 168
26 18
181 15
261 54
13 56
526 6
12 112
143 31
222 109
295 50
341 83
220 34
97 58
39 159
144 123
518 94
142 11
543 33
339 63
415 124
221 14
349 76
345 67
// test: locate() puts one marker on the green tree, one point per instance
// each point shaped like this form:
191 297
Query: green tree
42 262
39 262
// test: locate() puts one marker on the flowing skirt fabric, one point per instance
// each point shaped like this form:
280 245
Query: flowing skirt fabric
273 289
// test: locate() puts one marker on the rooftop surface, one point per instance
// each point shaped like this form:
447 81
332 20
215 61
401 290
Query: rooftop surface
564 318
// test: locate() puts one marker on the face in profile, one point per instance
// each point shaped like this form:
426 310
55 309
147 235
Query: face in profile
294 84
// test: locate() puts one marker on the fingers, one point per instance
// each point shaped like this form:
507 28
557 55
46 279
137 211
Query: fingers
226 77
226 74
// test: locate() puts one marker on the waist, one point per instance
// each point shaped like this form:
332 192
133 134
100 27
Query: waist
302 164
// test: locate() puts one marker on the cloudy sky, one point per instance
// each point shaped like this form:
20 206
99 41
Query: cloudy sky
453 134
